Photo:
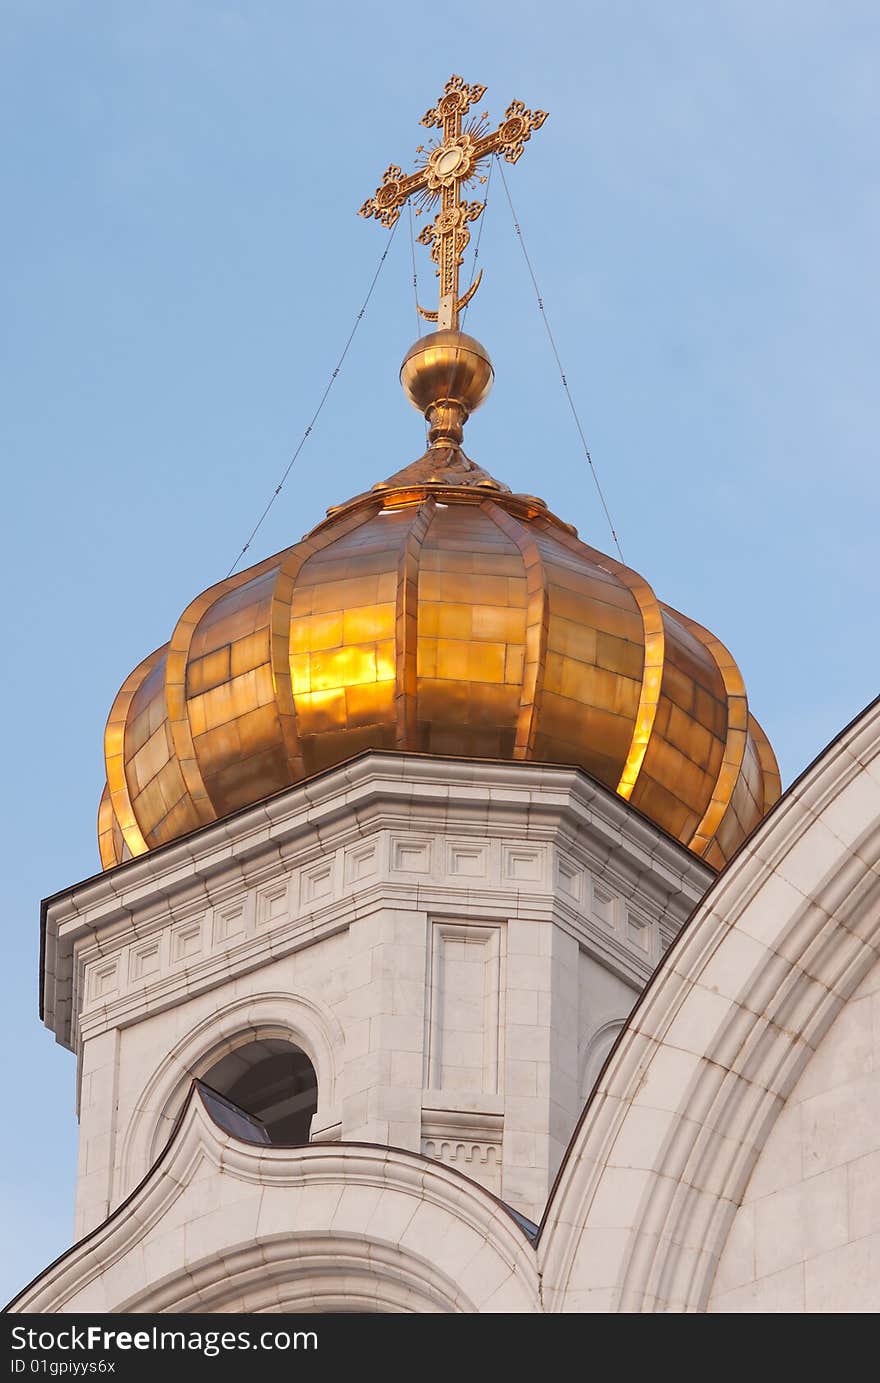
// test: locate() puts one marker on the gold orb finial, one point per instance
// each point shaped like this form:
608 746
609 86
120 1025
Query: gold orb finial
446 376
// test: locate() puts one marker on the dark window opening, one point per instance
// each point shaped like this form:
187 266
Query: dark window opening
272 1080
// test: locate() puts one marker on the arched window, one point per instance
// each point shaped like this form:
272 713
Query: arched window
273 1080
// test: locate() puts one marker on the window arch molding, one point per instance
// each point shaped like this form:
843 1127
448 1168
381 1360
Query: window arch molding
297 1018
315 1273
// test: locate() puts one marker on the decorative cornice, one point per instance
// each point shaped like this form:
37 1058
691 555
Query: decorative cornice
318 829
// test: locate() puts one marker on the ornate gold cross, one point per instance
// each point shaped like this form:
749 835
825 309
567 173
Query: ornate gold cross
450 164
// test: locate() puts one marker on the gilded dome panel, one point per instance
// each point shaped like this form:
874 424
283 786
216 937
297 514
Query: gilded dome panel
471 621
342 642
593 661
757 783
685 752
231 696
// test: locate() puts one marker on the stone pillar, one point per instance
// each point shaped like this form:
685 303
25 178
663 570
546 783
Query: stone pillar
97 1128
385 1029
541 1097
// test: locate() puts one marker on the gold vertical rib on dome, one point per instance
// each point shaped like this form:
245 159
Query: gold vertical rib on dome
106 831
406 627
280 622
114 745
770 776
175 686
279 656
652 677
737 732
652 667
537 624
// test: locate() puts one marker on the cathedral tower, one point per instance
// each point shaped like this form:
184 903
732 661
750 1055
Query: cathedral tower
397 826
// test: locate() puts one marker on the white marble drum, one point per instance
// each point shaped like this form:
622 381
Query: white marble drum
451 949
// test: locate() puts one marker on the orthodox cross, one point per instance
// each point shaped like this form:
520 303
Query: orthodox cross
451 163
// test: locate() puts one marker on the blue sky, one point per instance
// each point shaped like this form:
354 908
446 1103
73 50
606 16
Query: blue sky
182 264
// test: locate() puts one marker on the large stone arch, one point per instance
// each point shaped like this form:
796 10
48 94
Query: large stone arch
658 1166
219 1224
299 1018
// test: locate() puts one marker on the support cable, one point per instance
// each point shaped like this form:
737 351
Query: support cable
415 284
476 263
562 375
415 275
331 381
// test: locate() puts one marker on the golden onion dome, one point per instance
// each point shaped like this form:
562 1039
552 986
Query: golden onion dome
440 614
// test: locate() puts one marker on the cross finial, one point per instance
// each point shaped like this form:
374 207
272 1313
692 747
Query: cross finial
451 163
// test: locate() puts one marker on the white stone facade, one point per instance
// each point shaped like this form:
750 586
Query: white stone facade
769 977
727 1159
807 1235
455 947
